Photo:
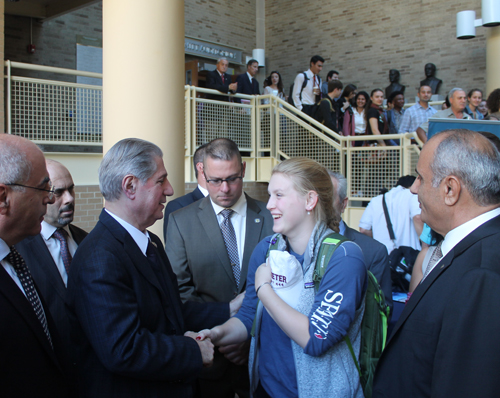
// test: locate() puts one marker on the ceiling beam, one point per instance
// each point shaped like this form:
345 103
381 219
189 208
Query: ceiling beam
45 10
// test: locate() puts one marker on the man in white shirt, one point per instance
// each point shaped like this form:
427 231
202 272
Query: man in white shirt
209 246
305 96
48 255
404 214
445 344
32 358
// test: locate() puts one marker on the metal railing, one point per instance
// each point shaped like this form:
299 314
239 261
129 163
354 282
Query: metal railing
52 111
265 128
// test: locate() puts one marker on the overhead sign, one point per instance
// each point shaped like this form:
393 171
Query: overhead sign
206 49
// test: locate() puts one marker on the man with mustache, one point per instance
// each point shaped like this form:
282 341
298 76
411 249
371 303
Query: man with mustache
49 254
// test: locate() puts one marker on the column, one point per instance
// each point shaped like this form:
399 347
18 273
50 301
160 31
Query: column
492 59
143 85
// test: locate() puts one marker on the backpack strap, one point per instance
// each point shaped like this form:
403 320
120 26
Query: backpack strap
328 247
304 84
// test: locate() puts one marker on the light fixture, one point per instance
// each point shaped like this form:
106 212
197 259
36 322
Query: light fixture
467 22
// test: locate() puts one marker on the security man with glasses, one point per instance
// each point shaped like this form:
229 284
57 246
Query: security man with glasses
33 362
210 244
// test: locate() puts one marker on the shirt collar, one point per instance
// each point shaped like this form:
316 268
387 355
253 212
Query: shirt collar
239 207
203 190
139 237
342 227
457 234
249 76
48 230
4 250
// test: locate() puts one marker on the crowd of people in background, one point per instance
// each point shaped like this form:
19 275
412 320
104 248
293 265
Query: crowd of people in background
346 111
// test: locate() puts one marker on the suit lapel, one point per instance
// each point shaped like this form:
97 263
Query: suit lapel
254 224
139 260
47 264
77 233
19 301
208 220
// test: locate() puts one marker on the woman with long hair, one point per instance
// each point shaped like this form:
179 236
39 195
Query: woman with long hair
354 118
274 85
474 99
298 344
376 122
493 103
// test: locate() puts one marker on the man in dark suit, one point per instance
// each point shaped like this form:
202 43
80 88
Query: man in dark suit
199 249
125 309
445 342
199 193
247 84
375 253
218 79
48 255
32 359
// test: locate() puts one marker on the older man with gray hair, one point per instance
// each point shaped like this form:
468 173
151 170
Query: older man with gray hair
126 311
445 343
374 252
458 101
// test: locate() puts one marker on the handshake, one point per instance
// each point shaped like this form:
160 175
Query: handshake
207 338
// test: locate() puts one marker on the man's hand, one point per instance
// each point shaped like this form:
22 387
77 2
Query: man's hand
236 353
233 87
235 304
205 345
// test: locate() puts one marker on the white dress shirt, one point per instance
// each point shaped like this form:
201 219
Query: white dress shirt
238 219
456 235
203 190
54 246
139 237
308 97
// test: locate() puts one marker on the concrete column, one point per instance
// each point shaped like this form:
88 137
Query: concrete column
492 59
143 84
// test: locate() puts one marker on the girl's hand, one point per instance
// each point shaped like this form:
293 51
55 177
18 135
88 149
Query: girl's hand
262 275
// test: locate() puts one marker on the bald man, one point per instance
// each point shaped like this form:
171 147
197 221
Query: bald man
32 357
49 253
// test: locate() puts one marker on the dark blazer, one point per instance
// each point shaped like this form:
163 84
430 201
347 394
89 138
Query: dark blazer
177 204
127 328
445 343
198 254
29 367
376 260
247 87
49 281
214 81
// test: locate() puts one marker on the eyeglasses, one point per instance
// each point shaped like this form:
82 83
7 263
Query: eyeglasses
217 182
50 191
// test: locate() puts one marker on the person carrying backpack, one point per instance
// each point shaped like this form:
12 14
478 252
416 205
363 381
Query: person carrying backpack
327 110
298 347
305 91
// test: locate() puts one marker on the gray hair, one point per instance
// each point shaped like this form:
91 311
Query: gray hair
129 156
15 167
222 149
453 90
473 159
222 59
341 186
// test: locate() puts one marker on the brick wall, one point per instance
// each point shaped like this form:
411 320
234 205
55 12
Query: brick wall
55 40
89 203
363 39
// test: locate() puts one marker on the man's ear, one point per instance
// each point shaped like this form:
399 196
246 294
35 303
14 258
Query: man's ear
4 200
199 168
243 168
344 204
129 186
452 188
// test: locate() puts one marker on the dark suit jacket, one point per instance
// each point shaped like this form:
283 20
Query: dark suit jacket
29 367
128 329
214 81
49 281
198 254
445 343
247 87
376 260
177 204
